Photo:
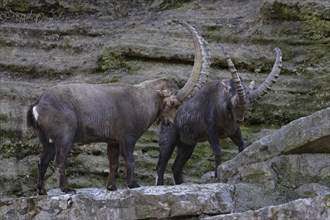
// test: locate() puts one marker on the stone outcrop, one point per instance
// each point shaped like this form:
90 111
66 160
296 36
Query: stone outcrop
185 201
291 163
142 203
312 208
295 154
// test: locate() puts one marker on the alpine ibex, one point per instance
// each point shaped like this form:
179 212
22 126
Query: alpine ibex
115 113
214 112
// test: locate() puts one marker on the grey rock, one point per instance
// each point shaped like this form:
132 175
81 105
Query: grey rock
145 202
311 208
309 134
283 174
291 163
311 190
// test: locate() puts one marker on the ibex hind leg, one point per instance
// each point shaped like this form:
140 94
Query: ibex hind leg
47 155
62 150
184 153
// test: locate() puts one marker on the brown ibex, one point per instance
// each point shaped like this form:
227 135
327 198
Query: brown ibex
214 112
115 113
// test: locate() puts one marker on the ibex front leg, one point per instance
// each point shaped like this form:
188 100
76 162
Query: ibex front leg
213 140
126 149
238 140
113 157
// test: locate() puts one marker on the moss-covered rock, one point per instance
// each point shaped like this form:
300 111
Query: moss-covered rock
112 59
313 19
48 7
50 42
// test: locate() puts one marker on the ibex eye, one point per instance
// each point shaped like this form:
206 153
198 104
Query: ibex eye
172 103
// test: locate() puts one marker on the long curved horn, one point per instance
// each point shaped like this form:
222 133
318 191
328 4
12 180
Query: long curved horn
205 68
237 81
201 65
272 77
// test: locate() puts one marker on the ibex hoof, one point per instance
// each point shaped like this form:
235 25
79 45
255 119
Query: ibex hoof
68 190
42 192
112 187
133 185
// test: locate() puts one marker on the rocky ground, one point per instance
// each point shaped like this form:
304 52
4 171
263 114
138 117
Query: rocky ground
284 175
46 43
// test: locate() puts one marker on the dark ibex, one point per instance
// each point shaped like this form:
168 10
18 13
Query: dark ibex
213 113
117 114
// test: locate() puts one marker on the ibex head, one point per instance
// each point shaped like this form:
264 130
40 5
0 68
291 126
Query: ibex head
172 100
170 106
245 96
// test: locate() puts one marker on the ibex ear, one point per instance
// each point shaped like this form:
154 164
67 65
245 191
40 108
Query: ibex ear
226 86
234 100
251 86
164 93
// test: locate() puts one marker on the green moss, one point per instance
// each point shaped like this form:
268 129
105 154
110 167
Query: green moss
114 79
29 11
269 114
4 117
18 150
112 60
10 135
316 28
18 144
76 6
281 11
19 5
220 33
172 4
310 22
274 115
6 41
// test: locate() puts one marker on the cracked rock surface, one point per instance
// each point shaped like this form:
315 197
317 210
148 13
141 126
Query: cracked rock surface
282 166
284 171
276 185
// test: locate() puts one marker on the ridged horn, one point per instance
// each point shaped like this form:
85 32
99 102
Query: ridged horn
242 100
201 65
272 77
205 68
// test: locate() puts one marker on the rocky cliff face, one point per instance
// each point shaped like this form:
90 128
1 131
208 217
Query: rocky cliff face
284 175
44 43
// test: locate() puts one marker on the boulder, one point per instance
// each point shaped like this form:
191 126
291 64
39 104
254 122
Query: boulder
312 208
141 203
292 162
306 135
